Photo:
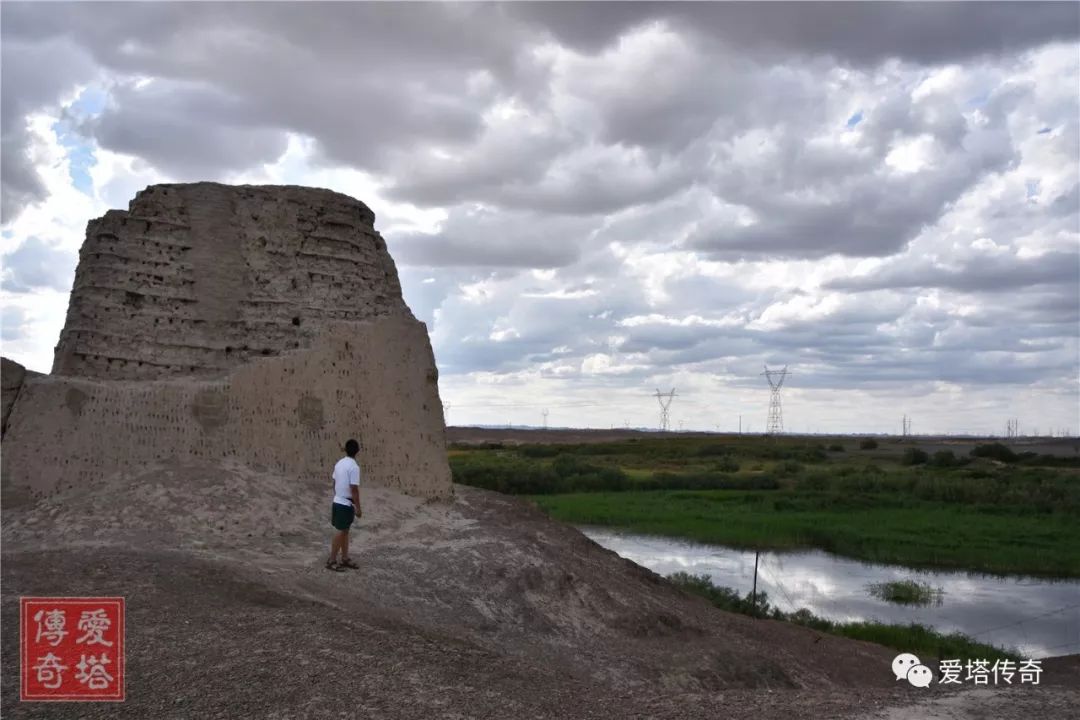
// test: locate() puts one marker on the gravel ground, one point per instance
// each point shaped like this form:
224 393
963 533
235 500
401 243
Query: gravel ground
479 607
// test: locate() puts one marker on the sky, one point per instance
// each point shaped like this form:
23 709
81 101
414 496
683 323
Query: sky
590 202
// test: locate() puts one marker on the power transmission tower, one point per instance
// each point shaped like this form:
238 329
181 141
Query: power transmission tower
664 407
1012 428
776 410
545 414
906 426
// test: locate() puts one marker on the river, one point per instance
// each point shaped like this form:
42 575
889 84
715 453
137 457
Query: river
1038 617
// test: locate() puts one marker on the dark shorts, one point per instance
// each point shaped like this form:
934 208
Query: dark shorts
341 516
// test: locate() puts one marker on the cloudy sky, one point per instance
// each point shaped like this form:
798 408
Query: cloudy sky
587 202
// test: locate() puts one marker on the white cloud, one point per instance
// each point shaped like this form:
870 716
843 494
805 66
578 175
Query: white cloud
586 209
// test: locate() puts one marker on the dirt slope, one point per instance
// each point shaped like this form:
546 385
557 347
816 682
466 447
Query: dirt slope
474 607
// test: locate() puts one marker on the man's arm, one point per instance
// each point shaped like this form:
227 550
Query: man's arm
355 488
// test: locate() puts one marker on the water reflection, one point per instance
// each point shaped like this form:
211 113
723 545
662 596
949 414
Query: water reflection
1038 617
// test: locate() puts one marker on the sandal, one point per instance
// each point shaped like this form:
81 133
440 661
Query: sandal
336 567
348 563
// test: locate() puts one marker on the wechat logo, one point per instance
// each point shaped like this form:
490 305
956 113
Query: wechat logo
906 666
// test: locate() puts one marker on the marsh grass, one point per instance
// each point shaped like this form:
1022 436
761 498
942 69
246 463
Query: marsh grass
907 592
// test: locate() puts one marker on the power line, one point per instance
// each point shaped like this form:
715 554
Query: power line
780 585
1066 644
1029 619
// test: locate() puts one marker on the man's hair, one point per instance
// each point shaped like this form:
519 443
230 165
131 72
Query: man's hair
352 447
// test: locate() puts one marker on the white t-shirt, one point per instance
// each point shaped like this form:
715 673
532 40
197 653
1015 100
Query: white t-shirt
346 473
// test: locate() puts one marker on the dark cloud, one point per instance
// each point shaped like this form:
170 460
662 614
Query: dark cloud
385 88
229 80
155 125
863 33
992 273
32 75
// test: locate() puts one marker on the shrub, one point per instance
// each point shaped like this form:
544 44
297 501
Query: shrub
836 447
789 467
713 449
994 451
576 475
722 597
943 459
567 465
505 475
727 465
604 480
914 456
868 444
814 454
539 451
1035 459
710 481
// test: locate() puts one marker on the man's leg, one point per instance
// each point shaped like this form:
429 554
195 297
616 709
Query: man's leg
335 546
344 545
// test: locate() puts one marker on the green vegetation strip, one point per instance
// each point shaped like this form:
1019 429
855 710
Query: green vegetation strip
873 528
992 510
917 639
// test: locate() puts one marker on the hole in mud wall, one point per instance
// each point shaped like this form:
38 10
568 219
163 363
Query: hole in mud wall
210 408
310 411
74 399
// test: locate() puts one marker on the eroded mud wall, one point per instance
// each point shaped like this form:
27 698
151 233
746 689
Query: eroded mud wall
195 279
210 322
289 414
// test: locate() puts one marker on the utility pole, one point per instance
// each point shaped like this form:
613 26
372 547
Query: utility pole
776 411
665 405
753 593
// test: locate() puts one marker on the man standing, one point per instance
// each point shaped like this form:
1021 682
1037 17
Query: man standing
345 507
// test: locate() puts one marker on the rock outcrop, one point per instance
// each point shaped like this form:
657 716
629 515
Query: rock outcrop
211 322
